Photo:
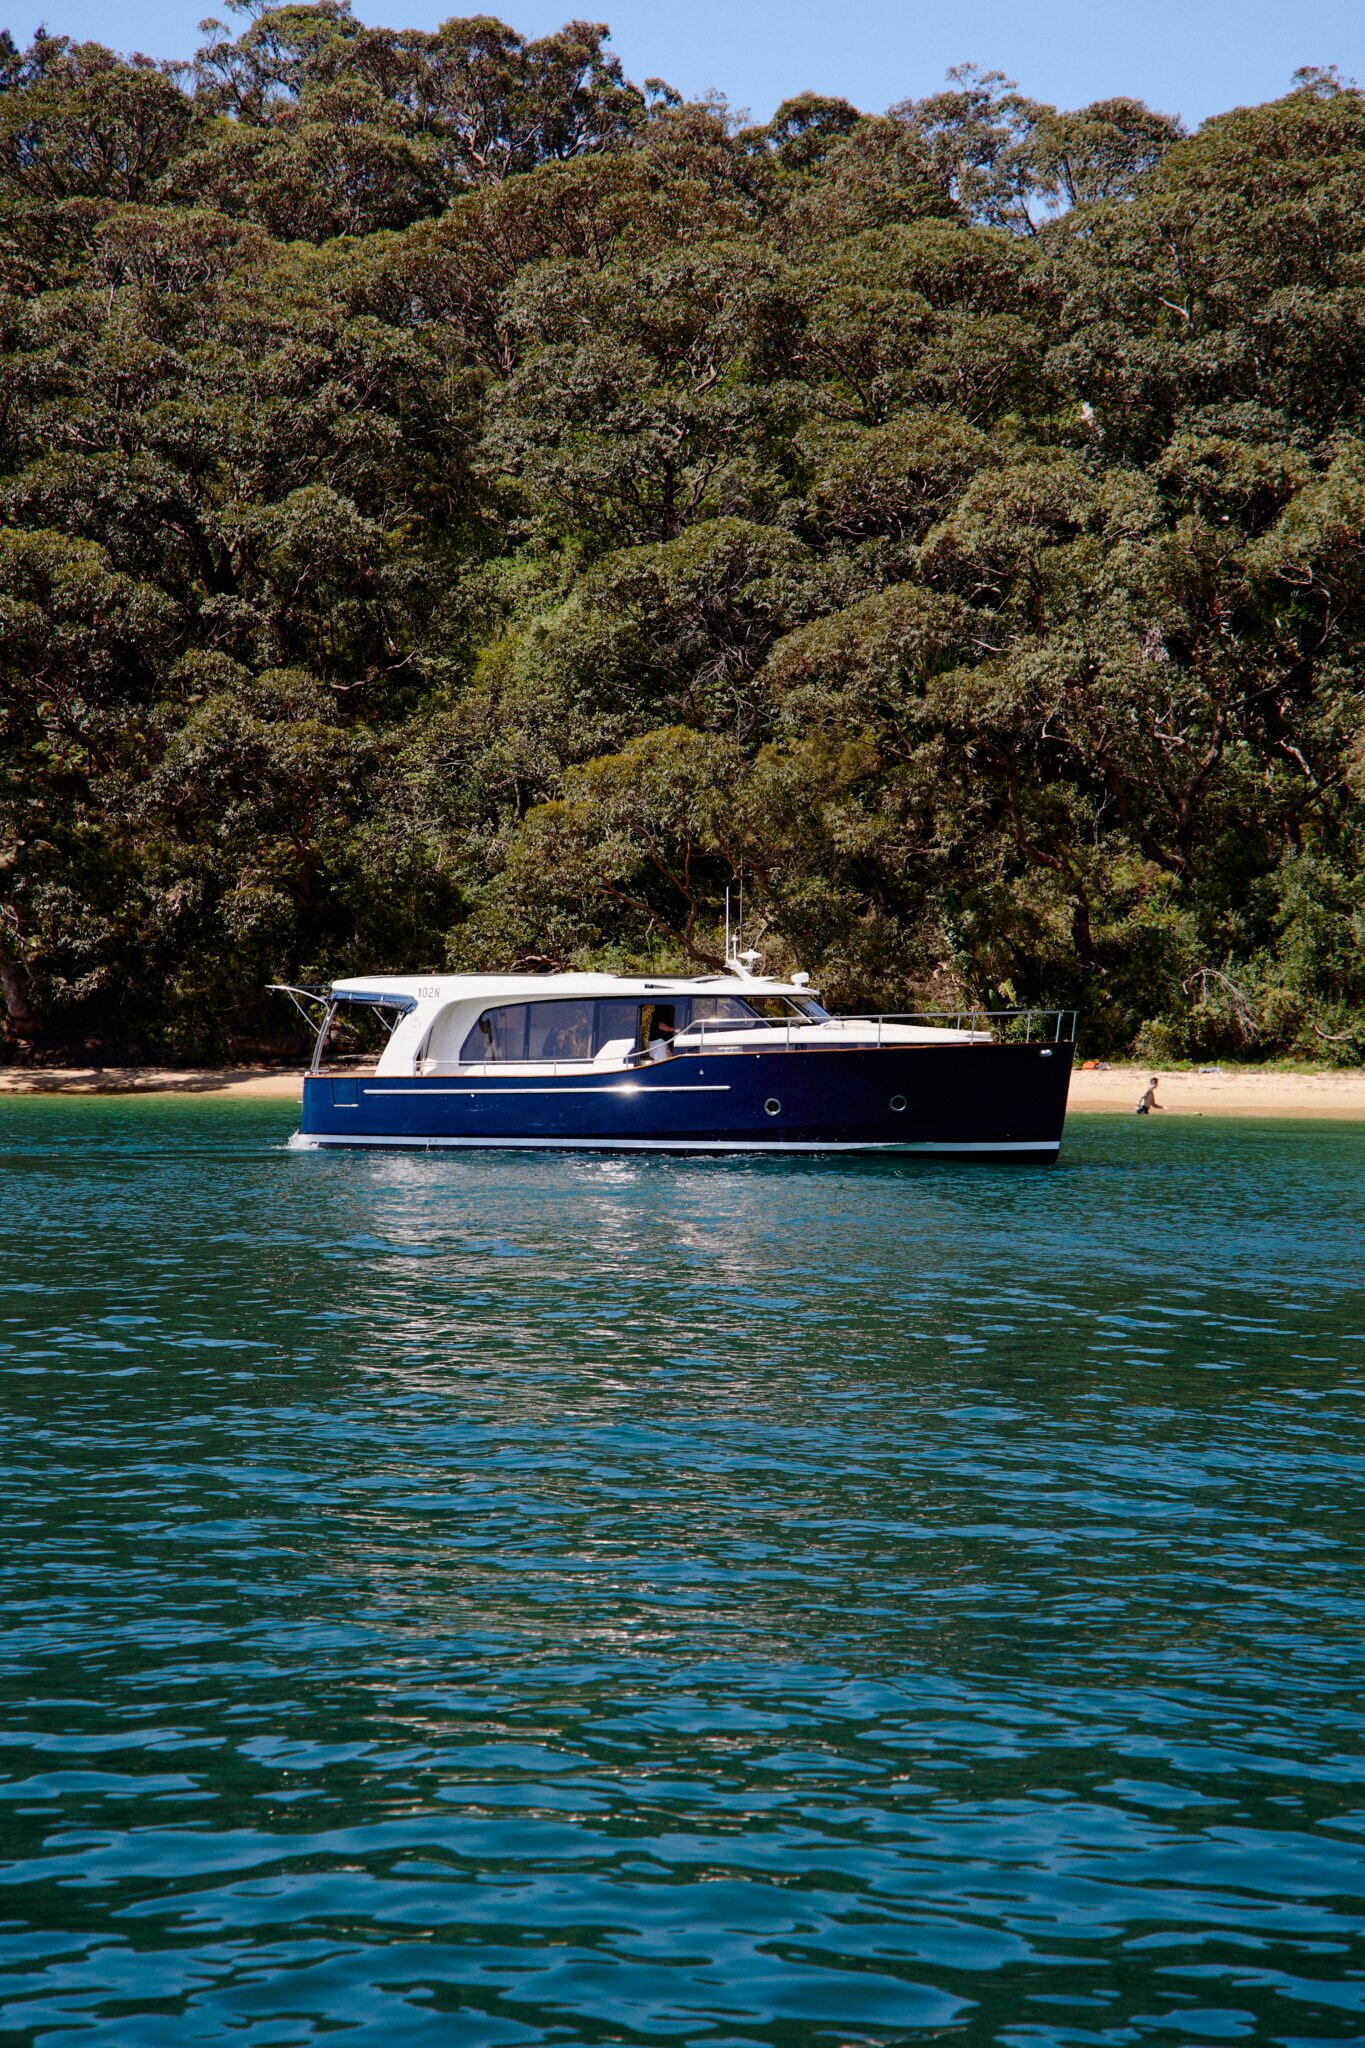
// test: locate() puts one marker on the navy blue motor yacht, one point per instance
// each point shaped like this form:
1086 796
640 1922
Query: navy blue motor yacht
731 1062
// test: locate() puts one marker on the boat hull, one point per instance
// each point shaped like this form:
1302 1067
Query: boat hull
985 1101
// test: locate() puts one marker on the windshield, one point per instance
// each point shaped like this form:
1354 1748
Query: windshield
782 1008
751 1011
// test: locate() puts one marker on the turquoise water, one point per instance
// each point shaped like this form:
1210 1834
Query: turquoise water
506 1599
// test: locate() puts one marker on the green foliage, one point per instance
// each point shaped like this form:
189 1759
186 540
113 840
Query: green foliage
460 507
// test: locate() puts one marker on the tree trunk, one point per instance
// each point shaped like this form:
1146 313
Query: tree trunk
15 991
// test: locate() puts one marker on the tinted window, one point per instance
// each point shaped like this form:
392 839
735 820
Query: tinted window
720 1010
498 1035
559 1031
755 1009
577 1030
769 1006
552 1031
617 1018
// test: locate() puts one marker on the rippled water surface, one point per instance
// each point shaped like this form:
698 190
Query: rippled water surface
516 1599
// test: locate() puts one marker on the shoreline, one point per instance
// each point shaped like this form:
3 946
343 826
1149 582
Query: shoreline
1218 1091
1224 1091
248 1084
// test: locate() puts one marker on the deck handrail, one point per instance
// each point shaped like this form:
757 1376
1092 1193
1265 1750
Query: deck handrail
1040 1026
973 1021
979 1026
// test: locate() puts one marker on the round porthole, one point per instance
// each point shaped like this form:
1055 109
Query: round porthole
898 1103
773 1106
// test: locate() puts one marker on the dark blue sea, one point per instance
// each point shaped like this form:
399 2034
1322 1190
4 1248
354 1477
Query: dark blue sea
506 1599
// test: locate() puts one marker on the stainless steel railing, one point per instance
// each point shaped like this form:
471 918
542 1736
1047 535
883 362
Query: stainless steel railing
769 1034
976 1026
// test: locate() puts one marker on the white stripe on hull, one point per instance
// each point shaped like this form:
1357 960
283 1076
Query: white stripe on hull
574 1088
309 1141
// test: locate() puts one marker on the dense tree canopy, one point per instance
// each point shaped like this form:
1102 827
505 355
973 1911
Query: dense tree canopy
458 507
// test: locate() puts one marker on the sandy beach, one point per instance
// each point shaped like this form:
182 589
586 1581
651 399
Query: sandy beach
1218 1091
1224 1091
248 1084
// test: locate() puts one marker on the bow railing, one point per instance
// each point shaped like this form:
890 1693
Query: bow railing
880 1028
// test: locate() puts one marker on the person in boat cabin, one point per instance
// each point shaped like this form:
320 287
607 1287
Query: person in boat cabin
660 1031
570 1041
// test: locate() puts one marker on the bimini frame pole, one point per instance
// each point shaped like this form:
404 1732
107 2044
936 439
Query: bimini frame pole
320 1044
327 1004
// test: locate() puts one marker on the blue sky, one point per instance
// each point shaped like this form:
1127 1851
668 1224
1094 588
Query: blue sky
1188 57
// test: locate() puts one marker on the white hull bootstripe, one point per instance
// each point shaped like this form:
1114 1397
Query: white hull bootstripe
307 1142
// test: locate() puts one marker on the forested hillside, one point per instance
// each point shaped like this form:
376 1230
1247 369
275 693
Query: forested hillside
458 508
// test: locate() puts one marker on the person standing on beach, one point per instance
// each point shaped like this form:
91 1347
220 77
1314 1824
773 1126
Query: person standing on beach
1149 1101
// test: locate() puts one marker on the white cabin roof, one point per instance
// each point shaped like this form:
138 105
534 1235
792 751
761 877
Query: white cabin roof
489 989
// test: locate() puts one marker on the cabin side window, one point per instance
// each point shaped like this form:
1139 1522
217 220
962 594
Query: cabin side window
720 1010
559 1031
545 1033
548 1032
617 1018
498 1035
782 1009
